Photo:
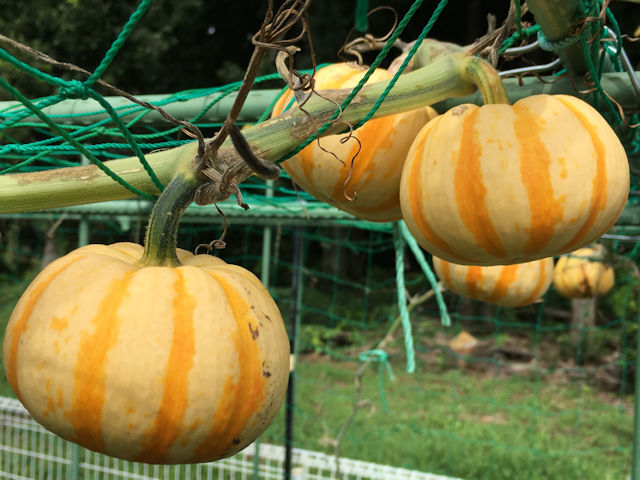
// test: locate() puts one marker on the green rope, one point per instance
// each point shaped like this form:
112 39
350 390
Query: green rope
362 20
78 146
127 134
380 357
119 41
414 48
383 53
445 320
402 301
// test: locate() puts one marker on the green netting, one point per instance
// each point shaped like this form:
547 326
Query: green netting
537 397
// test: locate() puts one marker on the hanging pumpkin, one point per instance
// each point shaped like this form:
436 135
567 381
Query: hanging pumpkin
502 184
359 176
506 285
584 273
156 364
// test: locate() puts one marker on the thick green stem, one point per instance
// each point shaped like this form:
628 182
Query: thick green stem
271 140
162 230
485 77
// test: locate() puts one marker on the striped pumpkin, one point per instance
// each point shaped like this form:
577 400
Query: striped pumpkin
506 285
150 364
369 189
502 184
584 273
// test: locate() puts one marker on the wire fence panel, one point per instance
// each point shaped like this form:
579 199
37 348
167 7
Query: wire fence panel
29 452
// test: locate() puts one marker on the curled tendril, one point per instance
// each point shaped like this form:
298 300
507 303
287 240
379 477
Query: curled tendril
219 243
368 42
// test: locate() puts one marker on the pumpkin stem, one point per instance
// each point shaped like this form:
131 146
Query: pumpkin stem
485 77
162 230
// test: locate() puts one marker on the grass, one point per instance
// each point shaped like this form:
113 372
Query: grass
464 425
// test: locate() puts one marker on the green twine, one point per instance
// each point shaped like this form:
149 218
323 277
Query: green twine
362 19
119 41
402 302
383 53
445 320
382 358
412 51
549 46
78 146
518 35
518 18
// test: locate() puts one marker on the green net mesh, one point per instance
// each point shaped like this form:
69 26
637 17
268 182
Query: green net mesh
537 396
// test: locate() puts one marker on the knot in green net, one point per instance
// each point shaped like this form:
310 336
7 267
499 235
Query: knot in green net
75 89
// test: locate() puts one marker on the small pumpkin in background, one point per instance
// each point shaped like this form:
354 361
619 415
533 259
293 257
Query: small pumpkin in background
584 273
503 184
505 285
361 176
157 364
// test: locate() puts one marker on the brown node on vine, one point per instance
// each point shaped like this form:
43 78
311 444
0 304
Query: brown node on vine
222 173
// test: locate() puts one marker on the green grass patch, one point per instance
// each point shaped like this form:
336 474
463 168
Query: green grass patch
463 424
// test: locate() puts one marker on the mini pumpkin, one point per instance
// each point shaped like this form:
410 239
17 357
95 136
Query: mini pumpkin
369 188
584 273
506 285
154 364
502 184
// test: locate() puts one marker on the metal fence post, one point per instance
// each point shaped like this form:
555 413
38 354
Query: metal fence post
635 472
265 275
83 239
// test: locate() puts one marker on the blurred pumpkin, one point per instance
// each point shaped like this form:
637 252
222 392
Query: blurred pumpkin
506 285
584 273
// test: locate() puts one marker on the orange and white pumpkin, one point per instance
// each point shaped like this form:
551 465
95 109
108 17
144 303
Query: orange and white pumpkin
506 285
364 175
584 273
148 363
502 184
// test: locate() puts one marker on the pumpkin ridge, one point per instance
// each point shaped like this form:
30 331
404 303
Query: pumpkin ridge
535 161
542 280
158 440
244 396
599 192
89 389
20 325
473 281
471 192
415 195
507 277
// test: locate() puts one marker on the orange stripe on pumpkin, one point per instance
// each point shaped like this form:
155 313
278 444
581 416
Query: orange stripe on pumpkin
542 280
415 196
21 323
599 182
375 135
175 396
473 281
90 370
243 396
471 192
507 277
445 268
535 162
